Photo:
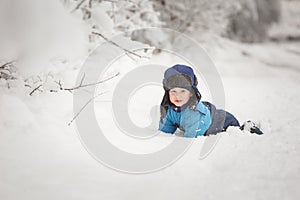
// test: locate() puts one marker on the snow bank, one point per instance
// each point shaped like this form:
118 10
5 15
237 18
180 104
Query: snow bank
37 31
42 157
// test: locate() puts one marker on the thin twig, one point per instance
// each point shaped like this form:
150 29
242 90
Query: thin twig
90 84
113 12
116 1
78 6
35 89
117 45
87 13
59 84
5 64
84 107
130 56
26 85
90 3
82 79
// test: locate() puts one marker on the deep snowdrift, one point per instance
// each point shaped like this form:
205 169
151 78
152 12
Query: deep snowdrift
42 157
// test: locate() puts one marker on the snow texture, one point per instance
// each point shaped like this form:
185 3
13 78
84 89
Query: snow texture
41 157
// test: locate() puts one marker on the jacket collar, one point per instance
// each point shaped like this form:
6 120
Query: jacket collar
201 108
179 108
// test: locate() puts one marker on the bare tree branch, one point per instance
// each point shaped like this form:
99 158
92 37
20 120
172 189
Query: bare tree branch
59 84
117 45
89 84
82 79
78 6
77 114
116 1
26 85
6 64
86 85
35 89
113 12
87 13
90 3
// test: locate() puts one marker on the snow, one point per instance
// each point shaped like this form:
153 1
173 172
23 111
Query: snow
290 24
41 157
35 31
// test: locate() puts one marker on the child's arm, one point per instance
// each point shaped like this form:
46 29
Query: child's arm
167 126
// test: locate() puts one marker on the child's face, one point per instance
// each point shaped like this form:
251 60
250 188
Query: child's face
179 96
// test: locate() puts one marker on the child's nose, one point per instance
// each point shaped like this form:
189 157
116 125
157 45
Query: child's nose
176 95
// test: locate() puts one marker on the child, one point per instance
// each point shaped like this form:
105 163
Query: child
181 107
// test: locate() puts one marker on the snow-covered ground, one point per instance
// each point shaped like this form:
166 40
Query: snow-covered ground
41 157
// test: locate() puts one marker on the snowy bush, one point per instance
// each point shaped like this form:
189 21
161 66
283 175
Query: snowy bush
48 36
289 26
7 70
113 16
36 31
251 22
246 20
45 36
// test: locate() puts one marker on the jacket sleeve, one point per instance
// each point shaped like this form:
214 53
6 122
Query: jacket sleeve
167 126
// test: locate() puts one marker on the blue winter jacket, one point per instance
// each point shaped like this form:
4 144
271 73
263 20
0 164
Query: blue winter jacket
193 122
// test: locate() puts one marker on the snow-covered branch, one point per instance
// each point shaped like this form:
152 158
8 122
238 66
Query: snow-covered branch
119 46
81 85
